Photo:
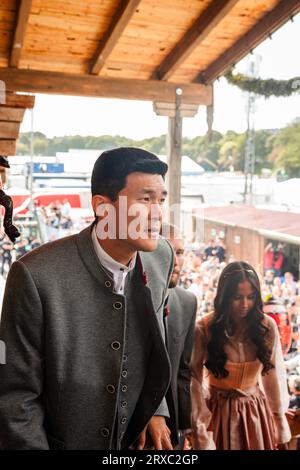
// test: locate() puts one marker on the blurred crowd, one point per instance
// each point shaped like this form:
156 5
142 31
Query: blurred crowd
280 292
57 219
53 222
202 267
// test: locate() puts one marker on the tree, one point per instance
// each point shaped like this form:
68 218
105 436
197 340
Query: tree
286 151
229 155
39 146
264 141
202 150
22 149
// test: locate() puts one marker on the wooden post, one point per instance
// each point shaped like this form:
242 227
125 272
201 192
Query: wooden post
175 112
174 144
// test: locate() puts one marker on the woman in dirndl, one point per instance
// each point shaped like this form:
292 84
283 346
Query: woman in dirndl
238 389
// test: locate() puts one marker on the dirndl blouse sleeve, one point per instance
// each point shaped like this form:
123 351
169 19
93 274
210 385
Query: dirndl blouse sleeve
202 439
275 386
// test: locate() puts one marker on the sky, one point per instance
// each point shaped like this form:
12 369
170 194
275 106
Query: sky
279 58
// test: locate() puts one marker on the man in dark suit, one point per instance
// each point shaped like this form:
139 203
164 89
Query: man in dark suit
180 325
82 320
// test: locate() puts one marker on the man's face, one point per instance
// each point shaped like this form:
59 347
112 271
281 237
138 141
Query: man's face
178 248
138 211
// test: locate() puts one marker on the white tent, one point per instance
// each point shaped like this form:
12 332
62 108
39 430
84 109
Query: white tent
288 192
188 167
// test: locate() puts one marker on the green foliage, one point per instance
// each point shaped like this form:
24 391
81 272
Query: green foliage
277 150
286 151
266 88
264 141
203 151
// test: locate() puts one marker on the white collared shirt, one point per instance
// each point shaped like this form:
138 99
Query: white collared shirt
119 271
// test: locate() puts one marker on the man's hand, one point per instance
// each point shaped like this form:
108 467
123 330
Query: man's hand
283 446
290 414
159 433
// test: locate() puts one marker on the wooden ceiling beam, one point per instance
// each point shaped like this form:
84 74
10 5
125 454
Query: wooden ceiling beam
11 114
202 27
8 147
20 30
169 109
119 22
13 100
267 25
37 81
9 130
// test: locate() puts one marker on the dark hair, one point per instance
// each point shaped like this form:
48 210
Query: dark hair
113 166
233 274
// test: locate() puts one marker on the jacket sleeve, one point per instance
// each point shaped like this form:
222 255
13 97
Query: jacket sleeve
21 377
202 439
184 375
275 387
163 409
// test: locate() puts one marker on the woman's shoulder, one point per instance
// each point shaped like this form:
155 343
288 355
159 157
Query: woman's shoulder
205 320
269 322
203 323
271 325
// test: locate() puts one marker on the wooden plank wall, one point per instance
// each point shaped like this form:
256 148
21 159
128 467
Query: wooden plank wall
250 247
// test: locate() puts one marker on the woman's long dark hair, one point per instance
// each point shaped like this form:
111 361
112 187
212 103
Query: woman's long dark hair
231 276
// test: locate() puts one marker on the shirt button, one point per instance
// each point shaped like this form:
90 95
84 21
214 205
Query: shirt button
125 357
124 388
110 388
124 420
115 345
117 305
123 404
107 283
124 373
104 432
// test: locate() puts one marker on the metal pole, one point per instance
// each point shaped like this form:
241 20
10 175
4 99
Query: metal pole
32 207
31 160
246 163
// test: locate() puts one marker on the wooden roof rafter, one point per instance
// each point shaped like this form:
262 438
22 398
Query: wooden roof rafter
20 30
201 28
38 81
144 42
119 22
267 25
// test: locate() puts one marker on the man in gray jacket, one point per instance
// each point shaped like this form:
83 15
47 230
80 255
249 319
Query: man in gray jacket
180 326
82 321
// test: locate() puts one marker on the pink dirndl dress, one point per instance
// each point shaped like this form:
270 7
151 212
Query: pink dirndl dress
243 411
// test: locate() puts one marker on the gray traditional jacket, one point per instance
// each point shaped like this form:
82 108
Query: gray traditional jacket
180 339
67 339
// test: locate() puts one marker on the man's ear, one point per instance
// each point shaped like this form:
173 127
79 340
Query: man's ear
98 200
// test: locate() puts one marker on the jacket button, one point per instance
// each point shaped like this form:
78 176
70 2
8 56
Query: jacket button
124 388
104 432
110 388
115 345
107 284
123 404
124 420
117 305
